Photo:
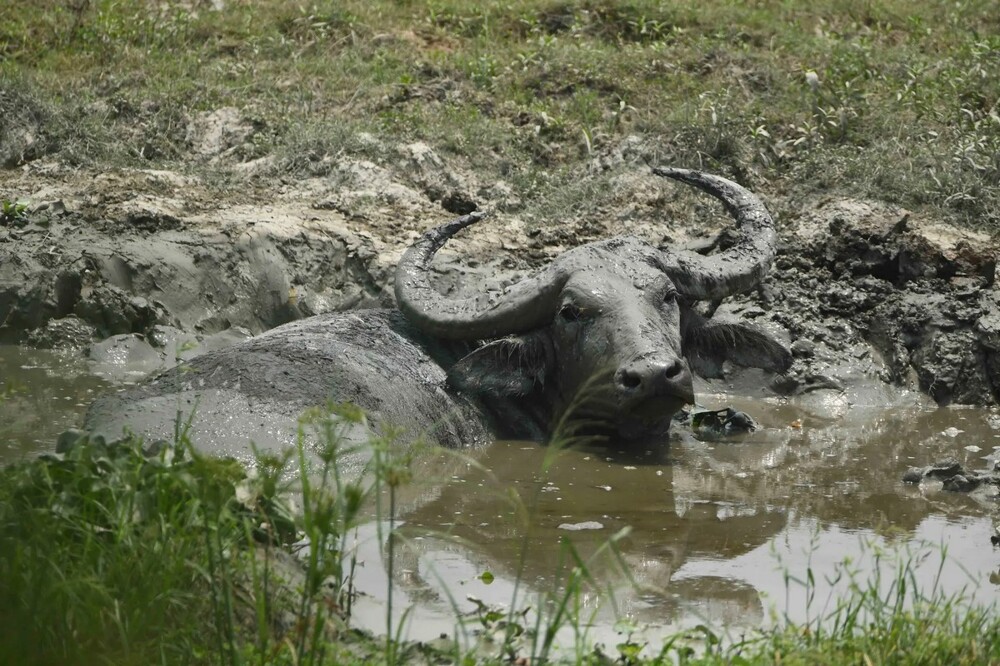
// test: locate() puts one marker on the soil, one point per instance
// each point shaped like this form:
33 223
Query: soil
159 263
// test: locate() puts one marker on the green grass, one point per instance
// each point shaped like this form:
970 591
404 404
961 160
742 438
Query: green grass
905 108
115 554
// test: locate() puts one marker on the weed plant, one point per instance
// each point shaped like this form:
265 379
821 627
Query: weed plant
115 553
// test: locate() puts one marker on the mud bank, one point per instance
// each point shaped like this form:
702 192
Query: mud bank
150 262
866 290
146 265
125 274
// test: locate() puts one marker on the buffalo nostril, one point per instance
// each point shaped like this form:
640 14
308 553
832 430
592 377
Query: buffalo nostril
674 369
629 379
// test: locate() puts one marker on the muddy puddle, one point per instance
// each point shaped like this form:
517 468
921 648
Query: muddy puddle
723 533
42 393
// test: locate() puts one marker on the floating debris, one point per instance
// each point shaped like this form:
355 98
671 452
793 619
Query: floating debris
722 423
955 477
586 525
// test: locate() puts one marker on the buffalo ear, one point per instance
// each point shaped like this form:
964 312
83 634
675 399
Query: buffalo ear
707 343
511 366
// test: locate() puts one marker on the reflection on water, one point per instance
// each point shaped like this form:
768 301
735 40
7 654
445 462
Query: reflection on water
703 531
709 532
42 393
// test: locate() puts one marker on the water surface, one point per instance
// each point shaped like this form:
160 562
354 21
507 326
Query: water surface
716 532
42 393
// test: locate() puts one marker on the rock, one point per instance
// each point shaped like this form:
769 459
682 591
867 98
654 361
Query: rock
803 348
54 207
722 423
458 203
951 368
960 483
988 330
213 133
577 527
155 448
67 333
68 439
223 339
787 384
944 469
500 196
956 479
19 144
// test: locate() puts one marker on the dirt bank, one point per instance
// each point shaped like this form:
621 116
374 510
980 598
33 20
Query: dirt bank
866 292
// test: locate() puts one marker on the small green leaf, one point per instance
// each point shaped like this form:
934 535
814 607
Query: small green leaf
486 577
629 651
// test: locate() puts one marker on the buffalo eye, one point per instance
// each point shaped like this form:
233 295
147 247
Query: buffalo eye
570 312
670 297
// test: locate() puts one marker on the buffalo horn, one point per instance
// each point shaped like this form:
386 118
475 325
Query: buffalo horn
741 267
523 306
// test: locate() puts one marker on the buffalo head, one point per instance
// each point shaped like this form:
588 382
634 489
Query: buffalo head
609 326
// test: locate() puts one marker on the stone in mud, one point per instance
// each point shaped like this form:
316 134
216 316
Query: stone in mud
988 330
125 357
722 423
952 368
215 133
113 311
425 168
458 203
172 340
256 273
961 483
67 333
68 439
917 292
177 345
803 348
54 207
943 469
954 476
22 123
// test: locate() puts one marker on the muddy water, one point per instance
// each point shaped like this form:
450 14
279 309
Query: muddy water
42 393
717 532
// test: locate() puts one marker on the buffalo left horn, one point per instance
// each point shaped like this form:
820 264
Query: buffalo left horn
523 306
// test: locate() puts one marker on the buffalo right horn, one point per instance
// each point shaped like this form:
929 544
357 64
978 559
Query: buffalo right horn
741 267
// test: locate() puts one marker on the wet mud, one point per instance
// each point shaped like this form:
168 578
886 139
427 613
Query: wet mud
865 292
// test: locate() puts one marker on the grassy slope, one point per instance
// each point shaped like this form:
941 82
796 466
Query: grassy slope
905 108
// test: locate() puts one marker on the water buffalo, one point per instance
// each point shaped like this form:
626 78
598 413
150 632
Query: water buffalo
608 328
